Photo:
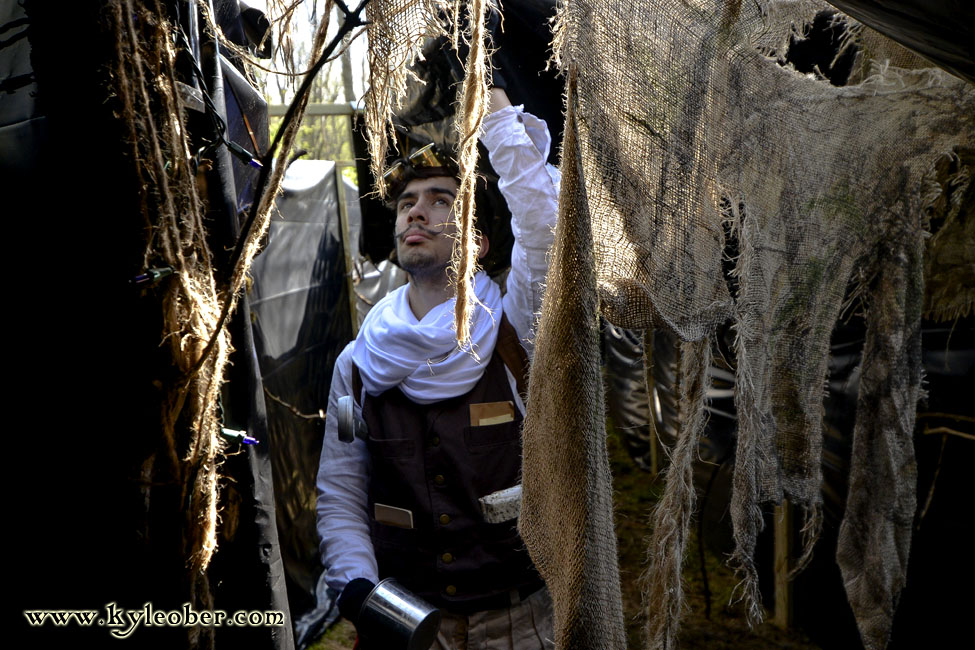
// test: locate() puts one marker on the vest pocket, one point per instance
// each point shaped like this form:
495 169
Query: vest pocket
396 552
392 447
484 438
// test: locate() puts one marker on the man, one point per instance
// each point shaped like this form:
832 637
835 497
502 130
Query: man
444 425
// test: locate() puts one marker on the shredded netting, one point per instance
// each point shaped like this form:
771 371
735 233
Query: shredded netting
396 33
688 144
144 82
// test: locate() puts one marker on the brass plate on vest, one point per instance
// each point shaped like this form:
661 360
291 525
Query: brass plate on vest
488 413
393 516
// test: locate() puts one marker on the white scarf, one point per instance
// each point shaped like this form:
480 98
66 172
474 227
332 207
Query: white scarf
422 356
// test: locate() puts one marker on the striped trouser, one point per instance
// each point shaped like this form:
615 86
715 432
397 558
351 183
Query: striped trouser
526 625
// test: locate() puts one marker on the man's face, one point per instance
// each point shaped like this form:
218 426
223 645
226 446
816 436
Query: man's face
425 225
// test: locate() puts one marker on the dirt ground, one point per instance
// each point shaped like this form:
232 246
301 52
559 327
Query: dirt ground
635 493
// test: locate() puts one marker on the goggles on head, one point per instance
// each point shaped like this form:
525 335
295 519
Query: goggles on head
428 156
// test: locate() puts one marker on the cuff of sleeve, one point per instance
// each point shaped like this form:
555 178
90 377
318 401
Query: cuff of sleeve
498 123
498 127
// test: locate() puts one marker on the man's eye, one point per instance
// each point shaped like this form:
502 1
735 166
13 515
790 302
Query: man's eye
406 205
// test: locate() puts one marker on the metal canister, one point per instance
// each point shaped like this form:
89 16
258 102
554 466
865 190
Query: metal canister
394 618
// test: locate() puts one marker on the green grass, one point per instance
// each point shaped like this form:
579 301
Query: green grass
340 636
635 492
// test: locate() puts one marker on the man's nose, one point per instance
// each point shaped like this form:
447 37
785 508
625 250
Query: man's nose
417 213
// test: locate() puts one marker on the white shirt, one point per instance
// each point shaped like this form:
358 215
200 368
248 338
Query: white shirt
518 146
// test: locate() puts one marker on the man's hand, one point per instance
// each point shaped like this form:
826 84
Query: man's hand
354 594
456 60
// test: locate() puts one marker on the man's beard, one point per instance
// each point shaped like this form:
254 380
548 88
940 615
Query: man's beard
419 263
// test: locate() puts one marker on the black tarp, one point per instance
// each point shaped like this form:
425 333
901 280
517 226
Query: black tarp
942 31
302 318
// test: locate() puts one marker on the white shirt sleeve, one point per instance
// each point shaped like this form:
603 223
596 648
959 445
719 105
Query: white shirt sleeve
518 145
343 485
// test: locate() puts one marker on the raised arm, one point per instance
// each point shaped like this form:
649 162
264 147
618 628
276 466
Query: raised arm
518 145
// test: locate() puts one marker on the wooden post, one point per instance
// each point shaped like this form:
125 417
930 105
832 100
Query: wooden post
654 441
648 383
783 554
347 244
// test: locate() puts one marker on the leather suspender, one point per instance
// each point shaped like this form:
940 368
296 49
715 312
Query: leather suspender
513 355
356 384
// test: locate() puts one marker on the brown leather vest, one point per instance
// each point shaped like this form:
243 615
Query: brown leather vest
429 464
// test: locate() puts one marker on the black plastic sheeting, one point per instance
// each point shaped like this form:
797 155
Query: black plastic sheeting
942 31
625 387
302 318
22 122
247 125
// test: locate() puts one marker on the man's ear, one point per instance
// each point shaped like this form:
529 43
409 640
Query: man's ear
483 246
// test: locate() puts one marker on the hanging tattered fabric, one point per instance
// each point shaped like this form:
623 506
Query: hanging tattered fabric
688 141
696 143
567 509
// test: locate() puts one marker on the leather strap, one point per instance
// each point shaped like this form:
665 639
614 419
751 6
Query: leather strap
513 355
356 384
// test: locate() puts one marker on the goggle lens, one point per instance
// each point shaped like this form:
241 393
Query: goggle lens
426 156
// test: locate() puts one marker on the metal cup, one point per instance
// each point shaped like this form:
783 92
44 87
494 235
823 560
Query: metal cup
392 617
